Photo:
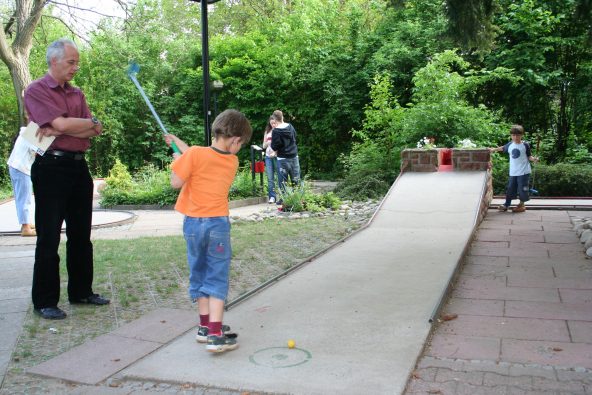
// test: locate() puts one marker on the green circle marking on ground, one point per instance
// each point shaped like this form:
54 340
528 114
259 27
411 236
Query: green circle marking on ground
280 357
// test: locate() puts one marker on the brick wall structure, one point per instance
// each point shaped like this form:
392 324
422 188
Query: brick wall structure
426 160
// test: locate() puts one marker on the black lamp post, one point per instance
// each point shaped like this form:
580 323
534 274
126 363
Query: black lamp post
205 62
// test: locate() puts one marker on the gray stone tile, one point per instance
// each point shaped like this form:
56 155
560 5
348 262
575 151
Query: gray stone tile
581 331
95 360
505 327
161 325
549 310
547 353
464 347
10 328
475 307
14 305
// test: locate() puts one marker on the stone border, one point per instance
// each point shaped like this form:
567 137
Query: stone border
231 204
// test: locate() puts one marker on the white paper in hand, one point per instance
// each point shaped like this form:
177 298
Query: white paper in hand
40 143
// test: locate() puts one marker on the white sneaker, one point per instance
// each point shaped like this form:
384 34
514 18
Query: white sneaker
272 200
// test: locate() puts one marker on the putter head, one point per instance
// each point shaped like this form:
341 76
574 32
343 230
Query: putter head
534 192
133 69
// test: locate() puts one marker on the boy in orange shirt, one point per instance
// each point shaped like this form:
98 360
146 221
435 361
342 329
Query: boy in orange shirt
205 175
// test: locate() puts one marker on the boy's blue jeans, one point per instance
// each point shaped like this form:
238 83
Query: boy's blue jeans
23 192
517 186
208 256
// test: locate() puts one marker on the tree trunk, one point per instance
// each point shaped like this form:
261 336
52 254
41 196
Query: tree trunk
16 55
21 78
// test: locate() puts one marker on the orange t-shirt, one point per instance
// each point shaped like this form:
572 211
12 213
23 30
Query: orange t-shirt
208 175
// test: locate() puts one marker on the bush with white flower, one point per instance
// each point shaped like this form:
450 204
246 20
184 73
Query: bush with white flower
466 143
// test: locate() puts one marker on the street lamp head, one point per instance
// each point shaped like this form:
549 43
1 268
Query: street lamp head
217 85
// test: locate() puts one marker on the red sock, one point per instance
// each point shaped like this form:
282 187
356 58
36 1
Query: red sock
215 328
204 320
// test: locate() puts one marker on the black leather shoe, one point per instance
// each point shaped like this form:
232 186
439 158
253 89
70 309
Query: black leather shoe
95 299
51 313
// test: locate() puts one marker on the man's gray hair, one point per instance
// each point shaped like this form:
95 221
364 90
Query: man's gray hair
56 49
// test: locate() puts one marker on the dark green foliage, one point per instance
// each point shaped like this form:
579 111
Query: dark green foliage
550 180
563 179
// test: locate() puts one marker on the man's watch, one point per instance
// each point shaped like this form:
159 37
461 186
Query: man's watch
95 121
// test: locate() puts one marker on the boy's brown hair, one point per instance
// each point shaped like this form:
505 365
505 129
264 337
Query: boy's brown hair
517 129
232 123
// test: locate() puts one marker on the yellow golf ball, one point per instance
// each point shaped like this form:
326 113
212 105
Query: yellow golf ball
291 343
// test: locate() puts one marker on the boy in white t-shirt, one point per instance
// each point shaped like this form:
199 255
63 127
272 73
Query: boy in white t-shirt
520 155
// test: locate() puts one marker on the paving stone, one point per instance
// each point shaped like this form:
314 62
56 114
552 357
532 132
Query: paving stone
464 347
560 237
491 234
581 331
95 360
509 293
469 389
161 325
481 249
573 271
549 310
15 293
425 387
470 282
506 327
493 379
486 260
432 362
570 375
502 368
426 374
547 353
533 282
475 307
99 390
444 375
531 261
552 385
14 305
10 328
524 370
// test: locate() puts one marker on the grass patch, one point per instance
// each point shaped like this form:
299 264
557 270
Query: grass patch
140 275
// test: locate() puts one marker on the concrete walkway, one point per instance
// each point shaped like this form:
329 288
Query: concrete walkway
523 316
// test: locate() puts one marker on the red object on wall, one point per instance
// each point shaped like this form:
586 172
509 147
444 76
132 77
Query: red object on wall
446 156
259 167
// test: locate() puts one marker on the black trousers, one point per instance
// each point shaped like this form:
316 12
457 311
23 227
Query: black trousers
63 191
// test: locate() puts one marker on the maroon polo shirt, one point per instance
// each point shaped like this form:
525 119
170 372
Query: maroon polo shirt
46 100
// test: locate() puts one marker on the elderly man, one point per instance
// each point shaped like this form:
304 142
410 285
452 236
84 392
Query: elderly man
62 183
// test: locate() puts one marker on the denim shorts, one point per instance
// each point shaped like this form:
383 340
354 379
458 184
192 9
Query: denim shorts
208 256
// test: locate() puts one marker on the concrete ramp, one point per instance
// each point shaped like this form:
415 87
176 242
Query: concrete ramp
359 314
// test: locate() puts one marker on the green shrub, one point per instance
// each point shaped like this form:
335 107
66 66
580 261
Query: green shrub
243 185
300 198
560 180
151 186
119 177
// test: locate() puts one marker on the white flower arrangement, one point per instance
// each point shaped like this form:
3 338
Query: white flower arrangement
426 143
466 143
